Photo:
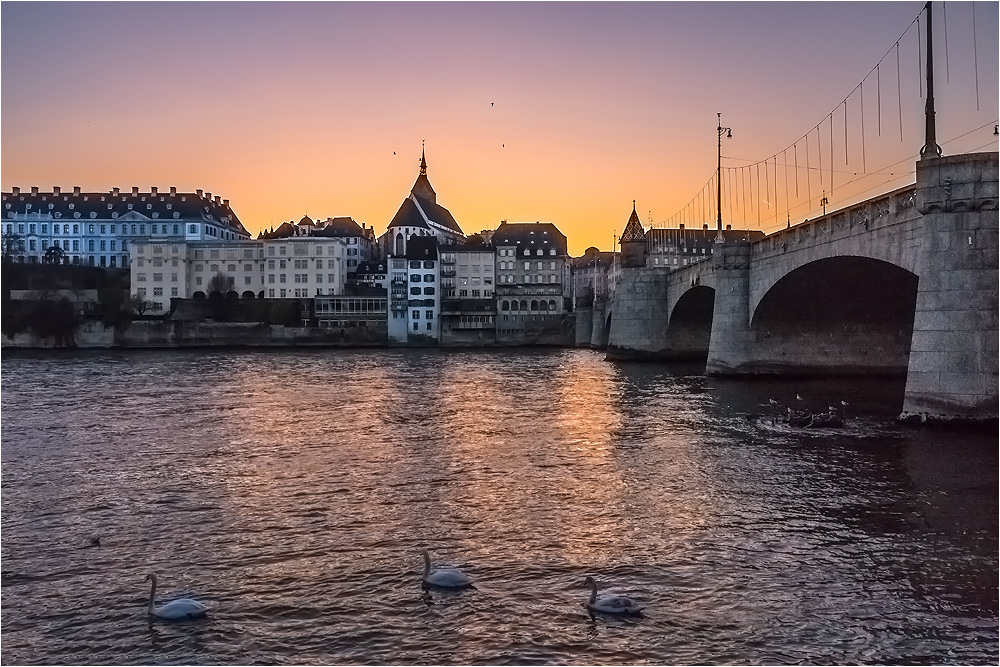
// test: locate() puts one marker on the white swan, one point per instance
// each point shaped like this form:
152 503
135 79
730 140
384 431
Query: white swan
608 603
445 577
175 609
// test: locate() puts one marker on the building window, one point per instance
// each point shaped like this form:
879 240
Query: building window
427 290
157 291
415 315
414 290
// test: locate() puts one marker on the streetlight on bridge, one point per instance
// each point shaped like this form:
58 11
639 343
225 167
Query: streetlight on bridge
719 238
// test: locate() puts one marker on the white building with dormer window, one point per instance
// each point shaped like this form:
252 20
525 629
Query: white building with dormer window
100 228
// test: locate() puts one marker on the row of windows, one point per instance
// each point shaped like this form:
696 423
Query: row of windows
304 248
428 278
103 260
524 304
58 229
350 305
415 315
535 279
416 264
510 266
416 290
301 278
510 252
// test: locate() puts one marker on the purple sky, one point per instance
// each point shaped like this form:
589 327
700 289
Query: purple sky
562 112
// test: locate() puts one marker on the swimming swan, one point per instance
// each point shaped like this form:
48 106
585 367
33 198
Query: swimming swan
175 609
608 603
445 577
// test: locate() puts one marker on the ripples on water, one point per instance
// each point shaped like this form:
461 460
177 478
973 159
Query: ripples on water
293 491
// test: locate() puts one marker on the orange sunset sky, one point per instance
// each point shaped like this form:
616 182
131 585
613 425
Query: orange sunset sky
560 112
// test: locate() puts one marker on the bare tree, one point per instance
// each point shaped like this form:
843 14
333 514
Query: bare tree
139 304
10 243
220 284
53 255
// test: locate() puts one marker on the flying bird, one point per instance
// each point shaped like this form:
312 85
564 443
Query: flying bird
491 103
394 152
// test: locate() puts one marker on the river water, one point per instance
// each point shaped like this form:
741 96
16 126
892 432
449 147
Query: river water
292 491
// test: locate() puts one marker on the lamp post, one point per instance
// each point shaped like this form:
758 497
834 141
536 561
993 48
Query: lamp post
824 201
719 238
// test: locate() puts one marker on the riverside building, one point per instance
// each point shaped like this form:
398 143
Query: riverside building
101 228
533 284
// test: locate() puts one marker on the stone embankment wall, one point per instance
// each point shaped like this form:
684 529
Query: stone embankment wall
180 334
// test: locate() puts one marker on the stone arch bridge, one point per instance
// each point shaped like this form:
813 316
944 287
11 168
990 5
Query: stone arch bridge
903 283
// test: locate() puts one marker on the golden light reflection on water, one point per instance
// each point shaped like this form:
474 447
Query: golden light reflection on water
467 451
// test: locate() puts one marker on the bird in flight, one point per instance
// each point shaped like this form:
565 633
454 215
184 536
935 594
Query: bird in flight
394 152
491 103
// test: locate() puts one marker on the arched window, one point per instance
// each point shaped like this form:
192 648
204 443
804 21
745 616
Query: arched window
538 252
524 304
505 306
534 304
542 305
552 304
399 244
513 306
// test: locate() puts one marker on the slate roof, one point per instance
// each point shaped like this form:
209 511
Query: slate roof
633 229
340 226
67 206
408 216
422 247
543 235
438 214
336 227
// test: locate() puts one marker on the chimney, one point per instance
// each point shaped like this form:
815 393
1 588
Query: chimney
682 226
34 189
729 227
705 227
56 190
198 192
225 202
173 191
115 192
208 196
76 190
218 200
15 190
135 191
152 190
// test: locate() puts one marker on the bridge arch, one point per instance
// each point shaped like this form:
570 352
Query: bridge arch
689 325
838 315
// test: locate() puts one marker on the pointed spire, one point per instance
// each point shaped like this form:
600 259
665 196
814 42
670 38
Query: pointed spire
422 186
633 229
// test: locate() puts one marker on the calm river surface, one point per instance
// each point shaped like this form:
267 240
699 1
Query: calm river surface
293 491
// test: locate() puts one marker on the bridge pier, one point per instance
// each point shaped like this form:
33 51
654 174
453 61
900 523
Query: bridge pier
953 364
731 344
638 315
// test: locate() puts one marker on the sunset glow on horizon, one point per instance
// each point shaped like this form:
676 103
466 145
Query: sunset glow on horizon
557 112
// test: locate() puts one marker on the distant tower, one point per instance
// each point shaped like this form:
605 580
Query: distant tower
633 241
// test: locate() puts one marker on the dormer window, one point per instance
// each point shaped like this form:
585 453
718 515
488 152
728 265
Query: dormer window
130 207
71 206
149 207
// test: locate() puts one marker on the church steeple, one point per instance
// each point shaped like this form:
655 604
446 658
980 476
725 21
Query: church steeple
422 186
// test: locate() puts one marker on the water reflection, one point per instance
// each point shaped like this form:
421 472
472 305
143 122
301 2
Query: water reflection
294 491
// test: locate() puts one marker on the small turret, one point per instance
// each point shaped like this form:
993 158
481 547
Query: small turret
633 242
